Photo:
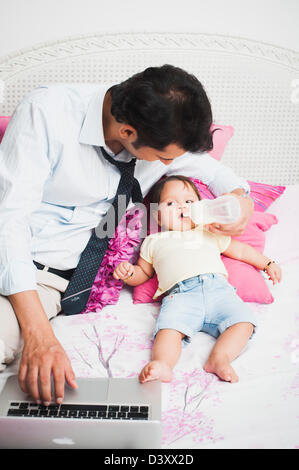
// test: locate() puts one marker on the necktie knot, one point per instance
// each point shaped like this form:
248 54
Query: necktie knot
123 166
127 171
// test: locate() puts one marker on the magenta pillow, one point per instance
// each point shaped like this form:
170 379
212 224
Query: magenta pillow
4 120
262 194
248 280
144 293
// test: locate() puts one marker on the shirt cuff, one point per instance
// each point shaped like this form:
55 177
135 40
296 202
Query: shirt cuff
220 187
17 276
244 185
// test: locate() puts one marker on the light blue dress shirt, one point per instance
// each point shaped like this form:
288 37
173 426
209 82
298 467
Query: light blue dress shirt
54 187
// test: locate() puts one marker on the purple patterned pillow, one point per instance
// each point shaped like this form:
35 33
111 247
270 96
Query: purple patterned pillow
122 247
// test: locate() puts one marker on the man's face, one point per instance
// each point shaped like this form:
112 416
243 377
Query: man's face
167 156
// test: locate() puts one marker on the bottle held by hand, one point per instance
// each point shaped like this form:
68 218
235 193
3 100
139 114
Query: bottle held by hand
222 210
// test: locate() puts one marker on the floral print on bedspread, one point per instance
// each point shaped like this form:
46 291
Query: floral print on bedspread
106 348
184 417
101 345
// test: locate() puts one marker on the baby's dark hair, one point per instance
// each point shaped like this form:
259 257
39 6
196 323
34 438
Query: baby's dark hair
155 192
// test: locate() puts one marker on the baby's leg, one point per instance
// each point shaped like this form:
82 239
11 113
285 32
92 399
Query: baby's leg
228 346
165 354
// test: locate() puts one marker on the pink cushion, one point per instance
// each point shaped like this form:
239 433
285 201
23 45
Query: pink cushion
262 194
221 136
248 280
4 120
144 293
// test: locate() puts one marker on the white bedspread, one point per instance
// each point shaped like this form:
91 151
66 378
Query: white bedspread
200 411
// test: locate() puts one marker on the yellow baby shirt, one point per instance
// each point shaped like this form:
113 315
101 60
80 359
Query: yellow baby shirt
179 255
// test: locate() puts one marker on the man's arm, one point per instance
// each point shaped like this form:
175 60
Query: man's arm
24 169
42 355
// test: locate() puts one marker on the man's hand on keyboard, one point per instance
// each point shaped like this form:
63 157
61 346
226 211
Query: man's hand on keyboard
42 357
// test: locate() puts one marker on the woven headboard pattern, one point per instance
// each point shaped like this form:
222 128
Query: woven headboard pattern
252 86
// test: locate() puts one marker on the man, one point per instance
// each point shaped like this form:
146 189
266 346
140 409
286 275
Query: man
55 187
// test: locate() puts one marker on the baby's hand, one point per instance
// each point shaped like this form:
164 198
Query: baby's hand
274 272
123 271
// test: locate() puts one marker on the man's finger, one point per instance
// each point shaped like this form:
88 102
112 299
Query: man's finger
45 383
70 376
22 377
209 227
215 229
32 383
58 376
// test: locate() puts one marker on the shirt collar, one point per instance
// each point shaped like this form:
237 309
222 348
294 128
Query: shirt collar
92 132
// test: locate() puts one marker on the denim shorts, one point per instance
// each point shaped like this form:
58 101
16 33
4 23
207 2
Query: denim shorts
205 303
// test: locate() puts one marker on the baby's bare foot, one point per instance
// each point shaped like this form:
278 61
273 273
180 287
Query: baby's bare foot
222 368
156 370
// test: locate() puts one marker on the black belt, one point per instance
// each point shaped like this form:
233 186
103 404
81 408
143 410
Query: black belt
66 274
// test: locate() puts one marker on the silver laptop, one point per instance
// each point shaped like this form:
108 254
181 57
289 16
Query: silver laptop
113 413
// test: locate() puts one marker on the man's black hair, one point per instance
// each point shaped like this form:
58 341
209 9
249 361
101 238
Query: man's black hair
165 105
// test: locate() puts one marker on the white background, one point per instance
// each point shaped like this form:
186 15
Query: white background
25 23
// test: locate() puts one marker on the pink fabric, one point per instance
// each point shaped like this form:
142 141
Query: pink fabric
106 289
248 280
221 137
4 120
144 293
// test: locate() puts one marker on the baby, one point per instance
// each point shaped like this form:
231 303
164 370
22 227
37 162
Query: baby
193 281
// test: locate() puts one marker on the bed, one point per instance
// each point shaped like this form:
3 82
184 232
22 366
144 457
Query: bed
253 87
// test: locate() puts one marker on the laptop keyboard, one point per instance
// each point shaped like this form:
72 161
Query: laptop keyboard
122 412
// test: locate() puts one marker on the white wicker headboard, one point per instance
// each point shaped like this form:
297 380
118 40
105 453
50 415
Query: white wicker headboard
252 86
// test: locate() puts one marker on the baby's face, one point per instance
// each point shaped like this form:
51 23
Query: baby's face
174 207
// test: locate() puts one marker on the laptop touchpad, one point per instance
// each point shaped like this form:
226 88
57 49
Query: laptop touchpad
88 391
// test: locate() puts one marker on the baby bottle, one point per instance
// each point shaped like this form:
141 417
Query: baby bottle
222 210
